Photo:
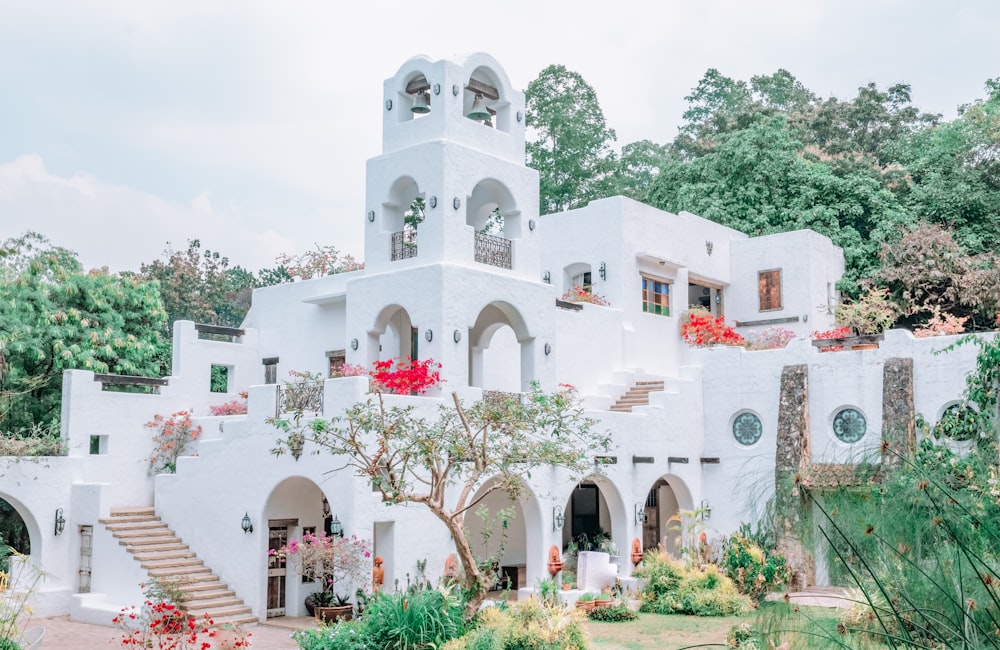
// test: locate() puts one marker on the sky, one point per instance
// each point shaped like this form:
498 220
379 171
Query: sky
131 126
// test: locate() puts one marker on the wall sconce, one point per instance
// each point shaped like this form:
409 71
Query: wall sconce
718 298
709 246
437 89
455 89
520 116
336 528
457 335
60 522
371 216
326 507
640 513
531 224
433 202
706 510
354 344
456 203
557 518
429 335
246 524
547 277
603 270
548 349
388 104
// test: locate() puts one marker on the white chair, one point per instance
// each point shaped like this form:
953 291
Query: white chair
33 638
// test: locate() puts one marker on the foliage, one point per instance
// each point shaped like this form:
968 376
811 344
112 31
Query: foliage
329 560
872 313
345 635
441 462
960 422
579 294
425 619
699 328
37 441
835 333
941 325
569 141
405 376
349 370
526 624
617 613
753 570
324 260
54 317
18 582
674 588
164 626
928 273
173 436
232 407
770 338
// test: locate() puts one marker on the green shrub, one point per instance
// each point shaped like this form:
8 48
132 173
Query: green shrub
348 635
754 570
405 621
742 637
527 625
9 644
672 588
615 614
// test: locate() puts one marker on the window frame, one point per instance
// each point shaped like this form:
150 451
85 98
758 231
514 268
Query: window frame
761 283
647 304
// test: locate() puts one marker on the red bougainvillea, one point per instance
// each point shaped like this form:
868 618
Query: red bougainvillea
702 329
406 376
836 333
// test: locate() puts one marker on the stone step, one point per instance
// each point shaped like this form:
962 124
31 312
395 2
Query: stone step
621 409
200 584
221 613
171 572
206 593
180 563
170 554
162 531
154 545
128 519
235 620
131 511
151 524
211 604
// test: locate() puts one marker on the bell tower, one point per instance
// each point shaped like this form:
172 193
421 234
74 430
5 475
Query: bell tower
452 232
451 184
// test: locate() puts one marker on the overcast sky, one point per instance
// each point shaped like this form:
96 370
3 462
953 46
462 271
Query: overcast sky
128 124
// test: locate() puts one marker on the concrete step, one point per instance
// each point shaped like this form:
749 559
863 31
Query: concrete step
124 519
122 526
178 572
222 612
161 531
172 554
180 563
132 512
222 591
211 604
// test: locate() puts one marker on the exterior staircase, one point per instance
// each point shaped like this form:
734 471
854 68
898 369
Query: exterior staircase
165 557
638 395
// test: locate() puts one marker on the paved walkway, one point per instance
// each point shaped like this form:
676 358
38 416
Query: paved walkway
63 634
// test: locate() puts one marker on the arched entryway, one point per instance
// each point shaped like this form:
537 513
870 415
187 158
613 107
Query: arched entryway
501 353
14 530
393 336
296 506
665 501
594 517
507 530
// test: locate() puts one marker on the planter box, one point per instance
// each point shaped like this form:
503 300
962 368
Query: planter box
334 614
863 342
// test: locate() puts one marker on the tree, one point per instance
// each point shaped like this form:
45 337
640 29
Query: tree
571 144
326 260
638 167
53 317
441 462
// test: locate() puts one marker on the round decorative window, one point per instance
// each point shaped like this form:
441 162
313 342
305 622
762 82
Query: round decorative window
747 428
849 425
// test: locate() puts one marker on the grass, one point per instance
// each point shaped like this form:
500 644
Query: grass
654 631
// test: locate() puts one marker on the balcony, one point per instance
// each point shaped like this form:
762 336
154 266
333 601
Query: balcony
301 397
493 250
404 245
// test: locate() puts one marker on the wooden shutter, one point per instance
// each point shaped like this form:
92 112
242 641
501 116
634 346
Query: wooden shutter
769 289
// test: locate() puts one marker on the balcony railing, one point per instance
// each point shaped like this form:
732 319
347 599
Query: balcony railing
404 244
305 397
493 250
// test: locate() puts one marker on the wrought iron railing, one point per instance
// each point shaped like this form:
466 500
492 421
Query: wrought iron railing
404 244
304 397
493 250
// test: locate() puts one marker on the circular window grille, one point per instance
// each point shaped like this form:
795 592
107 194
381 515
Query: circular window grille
849 425
747 428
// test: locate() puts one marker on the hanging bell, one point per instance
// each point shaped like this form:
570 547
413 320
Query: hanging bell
421 104
479 111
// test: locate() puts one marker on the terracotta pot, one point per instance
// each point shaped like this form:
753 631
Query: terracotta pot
585 605
567 586
334 614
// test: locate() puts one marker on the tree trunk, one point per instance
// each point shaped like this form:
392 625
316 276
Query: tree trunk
474 583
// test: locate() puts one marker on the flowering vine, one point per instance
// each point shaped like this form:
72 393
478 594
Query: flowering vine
702 329
579 294
406 376
329 560
173 435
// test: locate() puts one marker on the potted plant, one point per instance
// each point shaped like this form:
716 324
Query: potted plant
868 316
568 580
331 561
586 601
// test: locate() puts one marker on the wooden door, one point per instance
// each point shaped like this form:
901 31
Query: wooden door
277 571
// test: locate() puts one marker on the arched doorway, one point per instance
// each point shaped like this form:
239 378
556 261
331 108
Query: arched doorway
506 530
500 350
665 501
393 336
14 530
296 506
591 514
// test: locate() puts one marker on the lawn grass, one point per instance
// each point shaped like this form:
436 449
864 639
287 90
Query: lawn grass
655 631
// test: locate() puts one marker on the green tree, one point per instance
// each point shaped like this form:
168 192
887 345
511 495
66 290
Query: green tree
638 167
441 462
53 317
569 140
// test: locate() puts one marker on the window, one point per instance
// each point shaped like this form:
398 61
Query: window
849 425
747 429
769 289
337 359
584 282
655 296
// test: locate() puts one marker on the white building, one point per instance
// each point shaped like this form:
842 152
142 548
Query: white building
703 429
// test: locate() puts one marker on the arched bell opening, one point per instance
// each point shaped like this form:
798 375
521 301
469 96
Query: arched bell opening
415 98
492 210
484 102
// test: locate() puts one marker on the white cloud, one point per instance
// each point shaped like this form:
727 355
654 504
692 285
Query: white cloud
119 226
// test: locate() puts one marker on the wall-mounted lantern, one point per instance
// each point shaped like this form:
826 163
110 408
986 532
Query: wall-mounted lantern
246 524
706 510
558 519
640 513
60 524
336 528
603 270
